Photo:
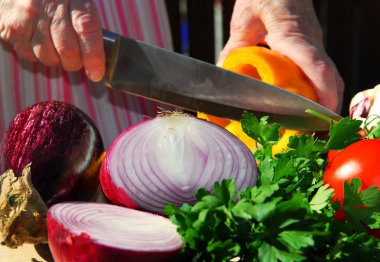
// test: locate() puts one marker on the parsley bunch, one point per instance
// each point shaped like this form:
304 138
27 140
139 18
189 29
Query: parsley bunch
288 215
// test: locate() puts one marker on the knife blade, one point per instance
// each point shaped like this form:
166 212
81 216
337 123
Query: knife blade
170 78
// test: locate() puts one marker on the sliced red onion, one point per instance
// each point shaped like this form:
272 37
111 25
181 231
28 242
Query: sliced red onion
79 231
167 159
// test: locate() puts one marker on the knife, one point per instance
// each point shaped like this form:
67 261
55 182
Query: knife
170 78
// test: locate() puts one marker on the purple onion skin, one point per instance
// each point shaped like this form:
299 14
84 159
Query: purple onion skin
67 247
64 147
116 195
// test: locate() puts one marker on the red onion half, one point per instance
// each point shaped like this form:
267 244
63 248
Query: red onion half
167 159
79 231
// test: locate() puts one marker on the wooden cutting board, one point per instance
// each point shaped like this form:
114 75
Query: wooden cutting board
26 253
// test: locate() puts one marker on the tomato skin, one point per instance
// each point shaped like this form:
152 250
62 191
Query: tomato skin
359 160
374 232
331 155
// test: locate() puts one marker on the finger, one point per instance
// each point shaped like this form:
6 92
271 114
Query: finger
296 33
42 43
17 27
246 29
318 67
65 39
86 24
20 41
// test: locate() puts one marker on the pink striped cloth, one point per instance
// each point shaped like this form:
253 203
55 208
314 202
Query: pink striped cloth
23 84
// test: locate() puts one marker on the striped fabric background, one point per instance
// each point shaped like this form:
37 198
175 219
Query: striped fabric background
22 83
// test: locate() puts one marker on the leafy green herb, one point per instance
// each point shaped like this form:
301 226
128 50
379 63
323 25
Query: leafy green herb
355 201
372 127
288 215
344 133
320 199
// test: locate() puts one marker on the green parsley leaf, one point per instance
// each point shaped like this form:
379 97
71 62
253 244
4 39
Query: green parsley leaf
297 239
344 133
260 131
321 199
288 215
372 131
360 206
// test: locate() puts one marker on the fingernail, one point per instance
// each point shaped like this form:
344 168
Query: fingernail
4 35
95 75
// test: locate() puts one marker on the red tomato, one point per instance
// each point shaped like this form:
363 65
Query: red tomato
359 160
331 155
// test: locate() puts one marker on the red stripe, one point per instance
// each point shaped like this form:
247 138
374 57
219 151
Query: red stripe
136 22
127 109
36 82
48 83
2 116
57 85
121 16
67 91
90 106
143 105
156 23
103 15
112 101
123 23
16 82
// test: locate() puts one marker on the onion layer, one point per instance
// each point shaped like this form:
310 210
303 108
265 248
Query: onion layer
167 159
79 231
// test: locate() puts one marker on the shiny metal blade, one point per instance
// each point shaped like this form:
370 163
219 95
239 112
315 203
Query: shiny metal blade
161 75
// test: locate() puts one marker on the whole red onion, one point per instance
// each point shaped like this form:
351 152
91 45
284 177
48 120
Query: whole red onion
63 146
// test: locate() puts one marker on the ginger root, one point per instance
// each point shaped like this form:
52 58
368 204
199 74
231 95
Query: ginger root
22 211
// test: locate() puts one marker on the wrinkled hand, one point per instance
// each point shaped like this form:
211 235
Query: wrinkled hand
66 32
291 28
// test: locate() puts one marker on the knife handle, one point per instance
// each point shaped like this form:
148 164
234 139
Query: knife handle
111 45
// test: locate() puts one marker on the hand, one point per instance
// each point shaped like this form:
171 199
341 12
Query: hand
291 28
66 32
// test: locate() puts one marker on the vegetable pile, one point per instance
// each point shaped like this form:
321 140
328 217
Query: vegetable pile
288 215
204 195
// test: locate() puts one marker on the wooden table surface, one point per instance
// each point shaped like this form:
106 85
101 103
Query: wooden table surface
25 253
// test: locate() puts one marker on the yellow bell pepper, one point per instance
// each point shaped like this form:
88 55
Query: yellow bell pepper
273 68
